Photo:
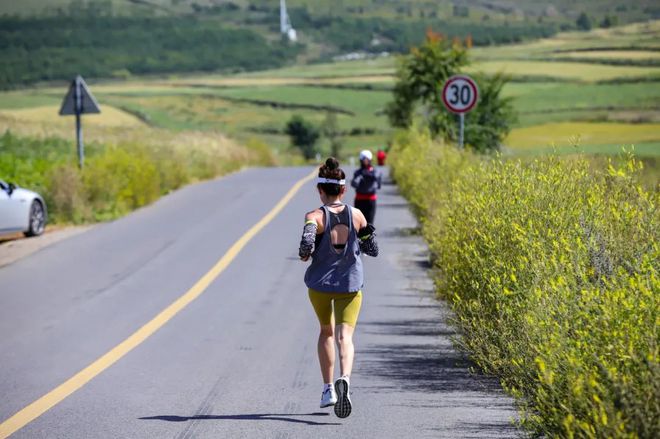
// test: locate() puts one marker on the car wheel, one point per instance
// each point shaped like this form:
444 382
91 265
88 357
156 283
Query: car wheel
37 219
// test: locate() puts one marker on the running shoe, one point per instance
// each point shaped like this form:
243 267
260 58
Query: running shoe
328 397
343 406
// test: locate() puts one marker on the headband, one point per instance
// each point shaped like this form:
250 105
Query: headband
321 180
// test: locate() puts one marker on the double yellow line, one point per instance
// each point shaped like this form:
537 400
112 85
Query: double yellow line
55 396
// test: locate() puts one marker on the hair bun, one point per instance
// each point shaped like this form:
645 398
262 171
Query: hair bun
331 163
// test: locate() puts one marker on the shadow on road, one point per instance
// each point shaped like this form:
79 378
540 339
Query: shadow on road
412 327
485 429
394 205
286 417
397 232
424 368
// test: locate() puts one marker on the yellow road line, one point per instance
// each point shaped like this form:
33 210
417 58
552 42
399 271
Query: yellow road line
55 396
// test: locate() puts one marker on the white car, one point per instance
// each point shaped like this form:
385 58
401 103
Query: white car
21 210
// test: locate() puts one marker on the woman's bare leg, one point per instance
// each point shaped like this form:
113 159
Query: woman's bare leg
346 349
326 349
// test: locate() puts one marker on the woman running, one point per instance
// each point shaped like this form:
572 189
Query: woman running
366 181
334 235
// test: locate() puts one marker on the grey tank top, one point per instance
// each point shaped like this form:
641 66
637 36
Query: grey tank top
336 270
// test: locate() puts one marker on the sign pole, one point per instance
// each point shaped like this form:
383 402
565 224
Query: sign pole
79 140
460 94
461 124
79 101
79 135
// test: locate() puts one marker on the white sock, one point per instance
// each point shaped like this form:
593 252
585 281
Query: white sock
327 386
345 377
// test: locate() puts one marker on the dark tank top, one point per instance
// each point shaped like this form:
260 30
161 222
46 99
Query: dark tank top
336 270
336 219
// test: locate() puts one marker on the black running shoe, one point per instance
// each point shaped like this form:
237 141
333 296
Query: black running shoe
343 406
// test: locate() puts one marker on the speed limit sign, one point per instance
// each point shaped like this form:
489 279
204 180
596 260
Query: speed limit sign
460 94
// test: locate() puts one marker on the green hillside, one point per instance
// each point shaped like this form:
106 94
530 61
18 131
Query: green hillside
43 41
556 10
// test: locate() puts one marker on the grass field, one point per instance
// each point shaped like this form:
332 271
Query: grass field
639 36
606 105
48 114
622 55
569 134
575 71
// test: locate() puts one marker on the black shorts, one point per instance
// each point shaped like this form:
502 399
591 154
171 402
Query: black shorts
368 208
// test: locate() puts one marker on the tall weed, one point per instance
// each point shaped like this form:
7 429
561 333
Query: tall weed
118 176
552 269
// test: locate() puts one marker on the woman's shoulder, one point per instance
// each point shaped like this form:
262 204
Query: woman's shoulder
315 215
358 216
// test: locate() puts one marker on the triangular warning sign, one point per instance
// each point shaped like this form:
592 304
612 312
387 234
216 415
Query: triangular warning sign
79 99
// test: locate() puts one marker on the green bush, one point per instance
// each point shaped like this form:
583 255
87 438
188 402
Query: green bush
119 181
116 179
304 135
553 271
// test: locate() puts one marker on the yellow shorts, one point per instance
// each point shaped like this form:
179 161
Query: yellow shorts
346 306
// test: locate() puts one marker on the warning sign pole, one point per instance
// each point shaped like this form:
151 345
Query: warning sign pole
79 135
79 141
79 101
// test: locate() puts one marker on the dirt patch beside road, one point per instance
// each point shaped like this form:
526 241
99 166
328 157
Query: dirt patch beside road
15 246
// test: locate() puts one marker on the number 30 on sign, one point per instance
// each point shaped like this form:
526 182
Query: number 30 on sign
460 94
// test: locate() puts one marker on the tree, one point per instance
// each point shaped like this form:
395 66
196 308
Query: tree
304 135
420 77
461 11
609 21
330 130
583 22
490 122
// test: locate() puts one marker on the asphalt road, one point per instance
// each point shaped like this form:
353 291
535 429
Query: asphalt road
240 360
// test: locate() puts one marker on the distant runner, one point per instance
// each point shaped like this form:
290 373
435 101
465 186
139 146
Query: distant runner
381 156
366 181
334 235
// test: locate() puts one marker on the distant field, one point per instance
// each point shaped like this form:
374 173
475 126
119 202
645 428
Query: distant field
634 37
26 99
303 78
109 117
539 101
568 134
612 55
378 66
556 101
363 104
576 71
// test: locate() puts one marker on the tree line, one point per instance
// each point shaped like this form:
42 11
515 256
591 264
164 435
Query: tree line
377 34
59 47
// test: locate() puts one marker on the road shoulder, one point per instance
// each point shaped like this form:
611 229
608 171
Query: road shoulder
15 246
405 341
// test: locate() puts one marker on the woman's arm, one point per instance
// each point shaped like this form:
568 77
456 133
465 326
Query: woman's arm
367 238
357 178
366 234
310 230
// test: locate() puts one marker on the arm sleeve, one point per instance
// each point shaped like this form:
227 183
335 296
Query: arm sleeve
368 244
307 240
357 178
